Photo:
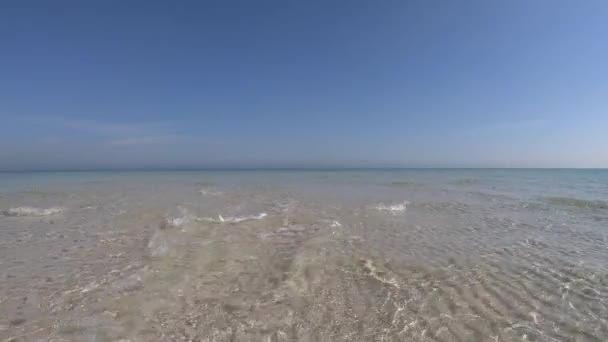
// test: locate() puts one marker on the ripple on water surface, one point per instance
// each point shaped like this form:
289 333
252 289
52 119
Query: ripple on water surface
264 262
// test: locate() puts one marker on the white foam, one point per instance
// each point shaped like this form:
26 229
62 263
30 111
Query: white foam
237 219
31 211
232 219
397 207
178 221
206 192
336 224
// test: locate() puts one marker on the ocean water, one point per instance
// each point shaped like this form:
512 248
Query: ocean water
305 255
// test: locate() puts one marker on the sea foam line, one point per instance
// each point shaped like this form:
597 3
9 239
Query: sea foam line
206 192
185 219
236 219
32 211
398 207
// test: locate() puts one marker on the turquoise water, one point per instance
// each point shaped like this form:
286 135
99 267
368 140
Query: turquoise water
587 183
307 255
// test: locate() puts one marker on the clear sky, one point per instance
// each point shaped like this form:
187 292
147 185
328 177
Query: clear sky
173 84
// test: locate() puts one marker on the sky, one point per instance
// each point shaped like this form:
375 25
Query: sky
198 84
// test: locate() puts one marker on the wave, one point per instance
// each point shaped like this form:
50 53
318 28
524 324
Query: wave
174 222
577 202
397 207
164 243
237 219
178 221
32 211
206 192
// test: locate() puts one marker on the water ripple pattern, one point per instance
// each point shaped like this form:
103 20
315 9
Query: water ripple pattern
349 255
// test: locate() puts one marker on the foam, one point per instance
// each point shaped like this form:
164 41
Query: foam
206 192
237 219
31 211
397 207
178 221
232 219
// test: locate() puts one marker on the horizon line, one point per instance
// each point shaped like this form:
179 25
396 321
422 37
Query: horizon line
388 168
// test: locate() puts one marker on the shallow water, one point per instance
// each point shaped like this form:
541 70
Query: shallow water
368 255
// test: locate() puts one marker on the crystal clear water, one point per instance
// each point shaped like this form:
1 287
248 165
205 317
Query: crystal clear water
306 255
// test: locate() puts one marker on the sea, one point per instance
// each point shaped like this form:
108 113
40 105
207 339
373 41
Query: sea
305 255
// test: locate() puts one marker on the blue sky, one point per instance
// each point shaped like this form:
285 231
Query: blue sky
160 84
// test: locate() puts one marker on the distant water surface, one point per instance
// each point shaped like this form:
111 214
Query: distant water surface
305 255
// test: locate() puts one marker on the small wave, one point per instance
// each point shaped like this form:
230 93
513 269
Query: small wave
397 207
162 242
206 192
174 222
578 203
178 221
230 219
31 211
237 219
335 224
